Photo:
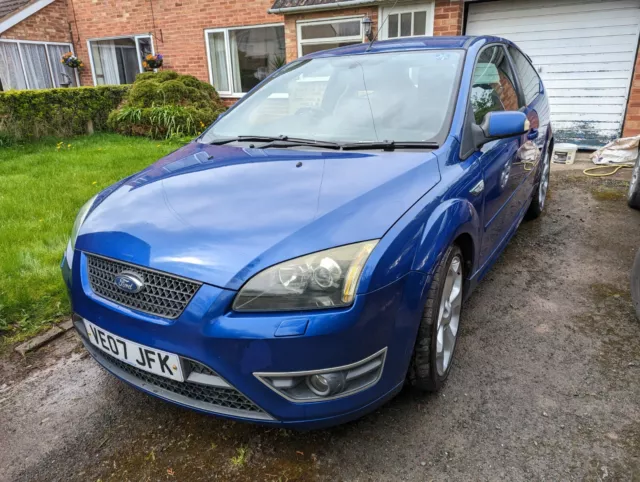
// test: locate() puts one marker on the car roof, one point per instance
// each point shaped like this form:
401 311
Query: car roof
406 44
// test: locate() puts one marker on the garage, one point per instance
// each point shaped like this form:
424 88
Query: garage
584 51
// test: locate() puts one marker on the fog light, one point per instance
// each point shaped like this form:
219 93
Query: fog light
326 384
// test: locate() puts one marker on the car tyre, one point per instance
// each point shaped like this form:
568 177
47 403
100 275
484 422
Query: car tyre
439 327
633 195
540 192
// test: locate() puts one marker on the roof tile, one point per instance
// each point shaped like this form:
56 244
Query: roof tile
302 3
7 7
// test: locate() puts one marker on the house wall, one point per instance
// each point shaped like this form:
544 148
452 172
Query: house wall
47 25
448 17
632 118
179 26
290 30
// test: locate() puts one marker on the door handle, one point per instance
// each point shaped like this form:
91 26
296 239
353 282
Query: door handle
533 134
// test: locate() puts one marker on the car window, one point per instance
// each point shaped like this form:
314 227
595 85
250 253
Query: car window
493 88
529 80
400 96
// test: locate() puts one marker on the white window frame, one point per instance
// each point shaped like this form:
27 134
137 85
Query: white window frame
135 38
329 40
24 72
225 31
383 11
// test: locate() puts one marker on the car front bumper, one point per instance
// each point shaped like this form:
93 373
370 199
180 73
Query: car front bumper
236 346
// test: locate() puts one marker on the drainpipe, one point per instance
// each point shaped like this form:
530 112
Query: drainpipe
324 6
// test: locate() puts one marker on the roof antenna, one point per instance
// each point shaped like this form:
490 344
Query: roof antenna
375 37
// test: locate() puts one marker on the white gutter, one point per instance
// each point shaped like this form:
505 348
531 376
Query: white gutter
323 6
20 15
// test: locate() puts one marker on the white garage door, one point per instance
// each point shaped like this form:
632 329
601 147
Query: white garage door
584 51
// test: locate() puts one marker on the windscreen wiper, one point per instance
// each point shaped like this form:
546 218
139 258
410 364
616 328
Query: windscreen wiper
389 145
285 141
227 140
280 141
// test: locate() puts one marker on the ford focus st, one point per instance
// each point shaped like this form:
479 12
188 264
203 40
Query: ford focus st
309 254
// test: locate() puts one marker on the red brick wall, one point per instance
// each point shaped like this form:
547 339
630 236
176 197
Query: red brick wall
632 119
180 25
448 17
49 24
290 31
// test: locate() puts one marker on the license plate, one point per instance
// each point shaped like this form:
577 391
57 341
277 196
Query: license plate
140 356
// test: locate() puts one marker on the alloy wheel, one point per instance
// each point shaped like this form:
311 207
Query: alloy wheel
544 181
634 179
449 316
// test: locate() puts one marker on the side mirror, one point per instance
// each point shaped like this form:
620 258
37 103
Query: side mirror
500 125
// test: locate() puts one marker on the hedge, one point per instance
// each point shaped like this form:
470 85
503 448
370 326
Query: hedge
166 104
30 114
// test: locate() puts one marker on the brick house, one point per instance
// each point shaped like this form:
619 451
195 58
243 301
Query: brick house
587 52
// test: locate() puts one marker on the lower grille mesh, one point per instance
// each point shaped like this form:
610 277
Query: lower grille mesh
216 396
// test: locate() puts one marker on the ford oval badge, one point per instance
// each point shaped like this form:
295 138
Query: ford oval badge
129 282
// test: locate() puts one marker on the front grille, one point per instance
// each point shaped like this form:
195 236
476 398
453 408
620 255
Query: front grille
224 400
163 295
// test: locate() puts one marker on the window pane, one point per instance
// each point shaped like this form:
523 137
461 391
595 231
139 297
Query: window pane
332 29
310 48
419 23
218 62
34 57
11 74
145 47
115 61
255 53
405 24
127 55
528 76
492 88
393 25
62 75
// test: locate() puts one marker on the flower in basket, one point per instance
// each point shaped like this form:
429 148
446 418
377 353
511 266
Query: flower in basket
71 61
151 61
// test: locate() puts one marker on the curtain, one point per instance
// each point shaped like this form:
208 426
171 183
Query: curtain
105 62
36 66
61 73
218 61
235 60
11 73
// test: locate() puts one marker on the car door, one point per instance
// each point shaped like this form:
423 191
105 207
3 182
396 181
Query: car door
494 89
537 110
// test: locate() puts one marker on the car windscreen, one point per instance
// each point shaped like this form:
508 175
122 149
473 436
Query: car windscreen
399 96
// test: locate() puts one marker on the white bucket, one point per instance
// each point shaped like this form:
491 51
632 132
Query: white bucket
564 153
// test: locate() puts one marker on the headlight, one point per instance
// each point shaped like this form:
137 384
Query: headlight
82 215
326 279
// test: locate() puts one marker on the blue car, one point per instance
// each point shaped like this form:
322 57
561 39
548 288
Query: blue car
309 254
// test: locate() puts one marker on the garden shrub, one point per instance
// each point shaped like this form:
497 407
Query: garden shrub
30 114
166 104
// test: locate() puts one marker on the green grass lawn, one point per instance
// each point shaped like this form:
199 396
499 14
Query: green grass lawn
42 186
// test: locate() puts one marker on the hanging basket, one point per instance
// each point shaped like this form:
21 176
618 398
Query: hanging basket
71 61
152 62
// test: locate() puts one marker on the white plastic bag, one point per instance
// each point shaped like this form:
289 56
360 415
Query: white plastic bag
620 151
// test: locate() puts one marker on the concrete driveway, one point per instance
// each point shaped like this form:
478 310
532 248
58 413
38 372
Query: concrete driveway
546 385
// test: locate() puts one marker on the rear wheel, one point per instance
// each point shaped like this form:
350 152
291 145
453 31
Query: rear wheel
633 196
540 194
438 332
